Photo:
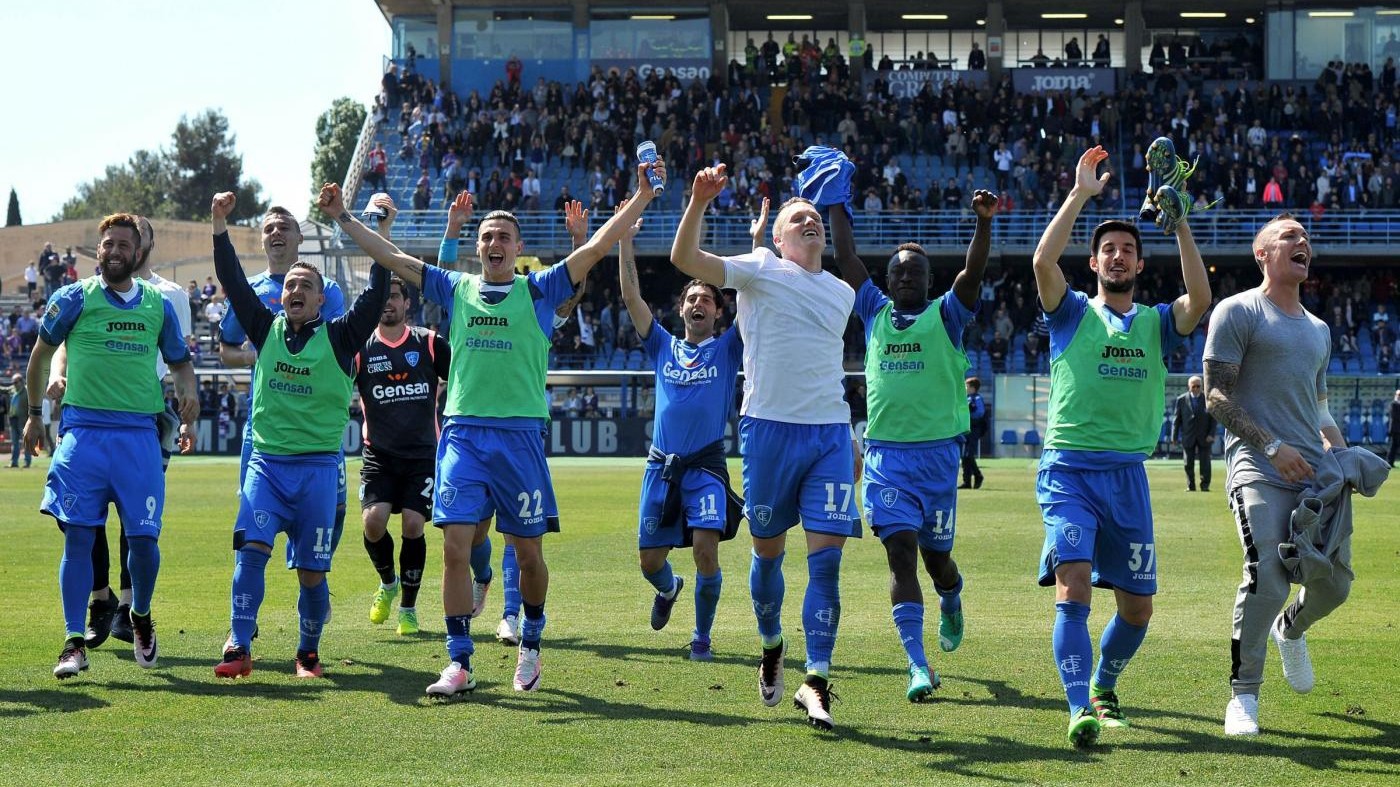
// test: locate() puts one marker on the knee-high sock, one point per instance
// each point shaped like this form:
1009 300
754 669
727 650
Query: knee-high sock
381 556
532 627
459 639
766 587
413 555
249 585
706 602
909 624
949 599
312 606
75 577
143 560
821 608
510 582
1119 642
1074 651
481 561
101 560
663 579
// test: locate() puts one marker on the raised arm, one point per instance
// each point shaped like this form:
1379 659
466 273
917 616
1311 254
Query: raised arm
843 239
408 268
385 203
759 226
586 256
1221 402
686 253
631 286
252 314
576 223
350 331
968 284
1188 310
1049 279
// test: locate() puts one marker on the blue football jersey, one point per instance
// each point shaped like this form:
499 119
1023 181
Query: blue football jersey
694 388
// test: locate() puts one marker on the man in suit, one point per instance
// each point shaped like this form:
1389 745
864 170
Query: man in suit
1394 429
1194 429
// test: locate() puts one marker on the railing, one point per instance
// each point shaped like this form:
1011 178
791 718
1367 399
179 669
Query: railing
944 230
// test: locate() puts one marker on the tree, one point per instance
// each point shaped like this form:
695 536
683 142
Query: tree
173 184
203 162
337 134
12 217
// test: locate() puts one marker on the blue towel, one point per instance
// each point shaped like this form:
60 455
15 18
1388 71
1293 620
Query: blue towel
825 178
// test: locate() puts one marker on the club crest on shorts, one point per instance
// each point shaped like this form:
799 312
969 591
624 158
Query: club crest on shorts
888 497
412 357
649 525
260 517
69 501
448 494
1072 534
763 515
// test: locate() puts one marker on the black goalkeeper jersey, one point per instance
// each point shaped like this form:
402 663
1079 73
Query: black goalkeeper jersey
398 386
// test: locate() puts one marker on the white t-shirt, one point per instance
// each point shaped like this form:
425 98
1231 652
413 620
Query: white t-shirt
792 322
181 301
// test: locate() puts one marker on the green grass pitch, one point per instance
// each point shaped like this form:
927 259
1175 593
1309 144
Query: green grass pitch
621 705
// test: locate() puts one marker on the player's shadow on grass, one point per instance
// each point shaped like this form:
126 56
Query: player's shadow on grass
742 655
560 706
1318 751
999 693
400 685
17 703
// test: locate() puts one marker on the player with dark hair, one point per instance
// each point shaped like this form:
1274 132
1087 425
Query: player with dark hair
686 500
491 458
1107 386
114 326
300 405
915 366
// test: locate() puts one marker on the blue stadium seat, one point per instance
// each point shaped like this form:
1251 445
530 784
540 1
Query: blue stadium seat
1032 439
1008 437
1379 429
1354 428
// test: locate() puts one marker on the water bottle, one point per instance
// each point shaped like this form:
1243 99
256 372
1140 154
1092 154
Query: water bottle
646 154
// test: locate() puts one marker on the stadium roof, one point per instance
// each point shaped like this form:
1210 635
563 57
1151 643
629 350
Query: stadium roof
888 14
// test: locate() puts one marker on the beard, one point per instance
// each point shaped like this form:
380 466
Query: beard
1117 287
115 268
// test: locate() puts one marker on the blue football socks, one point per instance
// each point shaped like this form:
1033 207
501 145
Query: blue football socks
766 587
909 623
143 560
481 561
75 577
821 608
312 605
249 585
459 639
1119 642
532 627
510 581
706 602
949 599
1074 652
663 579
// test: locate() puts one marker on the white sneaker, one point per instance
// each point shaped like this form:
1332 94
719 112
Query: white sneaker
73 659
455 679
1242 715
527 670
770 674
1297 666
479 597
814 696
508 631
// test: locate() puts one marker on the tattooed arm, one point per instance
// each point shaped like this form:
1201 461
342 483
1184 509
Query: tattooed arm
631 288
1222 403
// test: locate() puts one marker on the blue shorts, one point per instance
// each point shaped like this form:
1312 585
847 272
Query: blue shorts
913 489
704 501
94 466
483 470
293 495
341 490
794 471
1103 517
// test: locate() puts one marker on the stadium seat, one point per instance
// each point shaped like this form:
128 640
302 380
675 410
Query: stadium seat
1008 437
1032 440
1354 433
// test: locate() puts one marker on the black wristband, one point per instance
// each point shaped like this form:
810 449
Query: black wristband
33 411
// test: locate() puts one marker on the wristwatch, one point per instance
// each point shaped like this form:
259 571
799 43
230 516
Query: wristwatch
1271 450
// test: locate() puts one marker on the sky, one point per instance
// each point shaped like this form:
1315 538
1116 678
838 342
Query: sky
73 70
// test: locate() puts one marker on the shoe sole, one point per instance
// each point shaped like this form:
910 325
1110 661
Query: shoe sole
777 685
1085 735
533 685
65 675
919 695
244 672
